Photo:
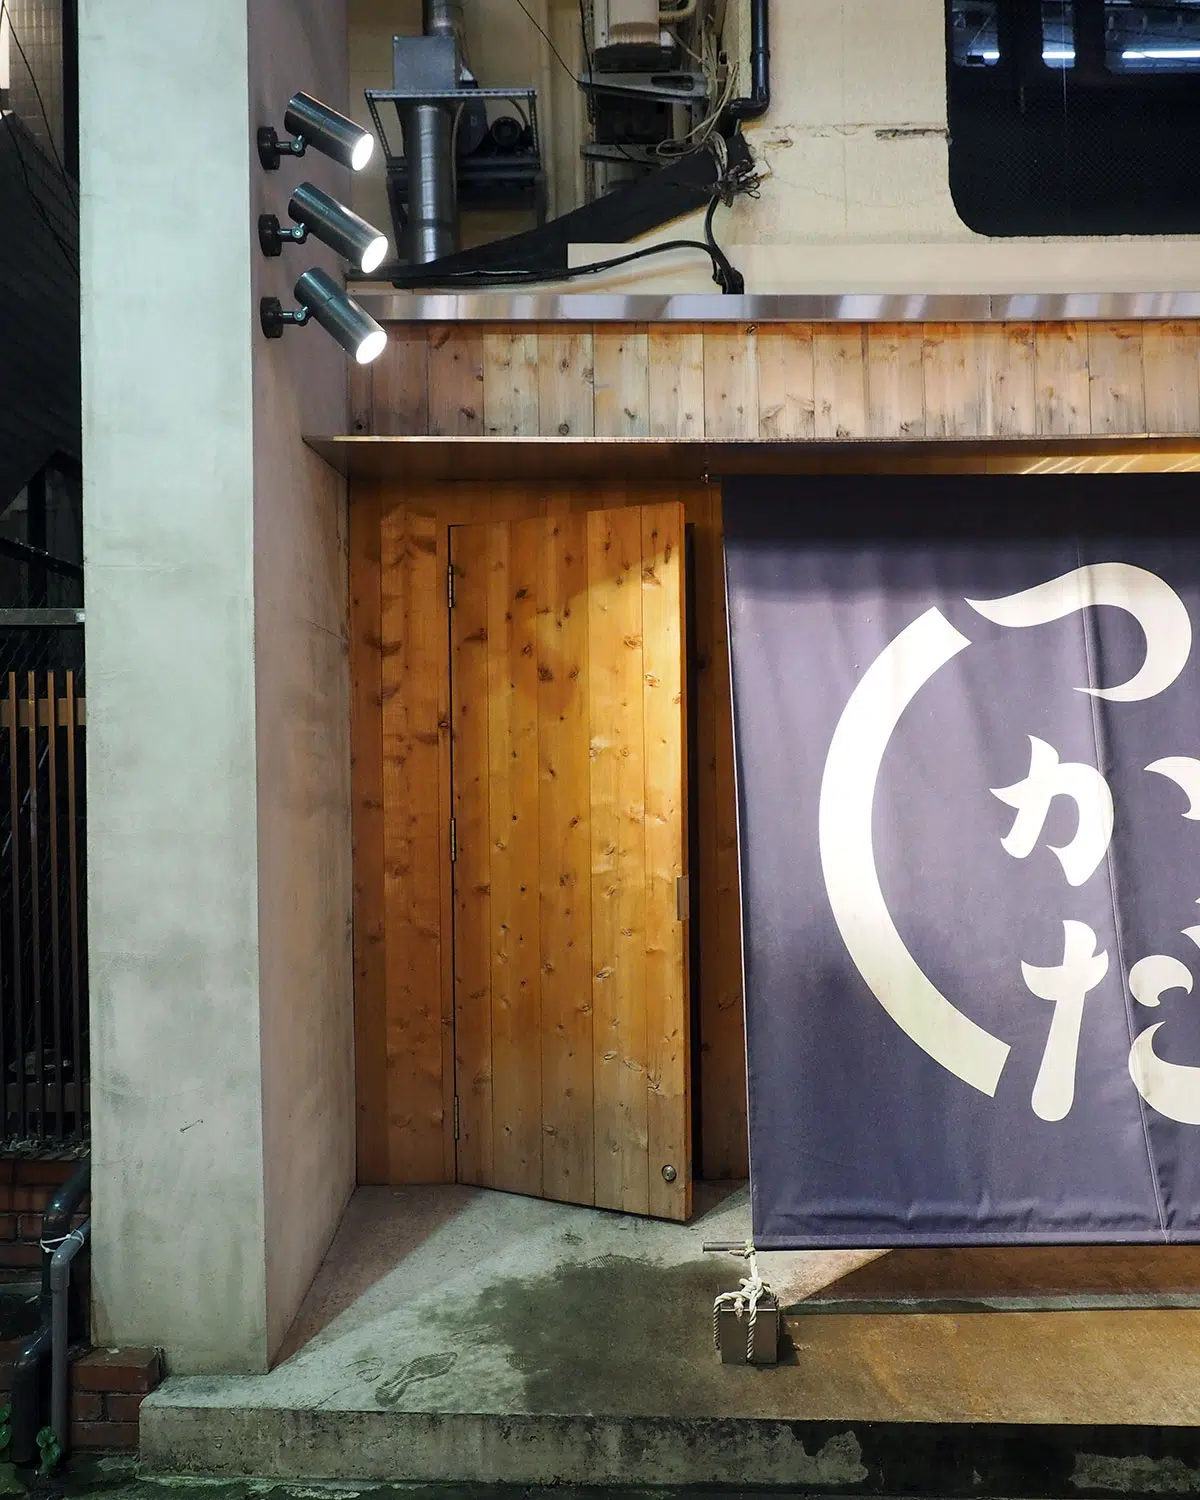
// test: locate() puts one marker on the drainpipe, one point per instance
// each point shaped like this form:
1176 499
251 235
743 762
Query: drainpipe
429 149
60 1333
754 105
28 1395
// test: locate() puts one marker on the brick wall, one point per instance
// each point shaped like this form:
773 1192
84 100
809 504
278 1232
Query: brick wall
26 1187
107 1385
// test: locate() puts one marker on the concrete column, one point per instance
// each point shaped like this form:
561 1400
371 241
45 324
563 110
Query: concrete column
218 784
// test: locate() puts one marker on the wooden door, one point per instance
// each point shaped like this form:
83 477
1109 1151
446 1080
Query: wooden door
569 788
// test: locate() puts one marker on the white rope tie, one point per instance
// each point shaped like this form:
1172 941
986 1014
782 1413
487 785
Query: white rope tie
49 1246
751 1289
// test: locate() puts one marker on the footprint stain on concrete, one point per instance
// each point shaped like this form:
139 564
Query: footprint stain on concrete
428 1367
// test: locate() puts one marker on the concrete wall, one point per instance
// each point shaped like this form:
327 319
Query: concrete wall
859 197
217 774
302 688
172 773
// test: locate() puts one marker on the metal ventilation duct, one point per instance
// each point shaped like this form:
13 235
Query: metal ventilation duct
429 149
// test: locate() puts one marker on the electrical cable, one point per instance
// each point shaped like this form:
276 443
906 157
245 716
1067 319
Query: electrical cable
550 43
587 85
5 12
569 273
39 208
710 62
731 184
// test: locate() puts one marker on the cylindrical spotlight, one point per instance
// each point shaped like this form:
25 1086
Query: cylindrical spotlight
339 315
329 132
338 227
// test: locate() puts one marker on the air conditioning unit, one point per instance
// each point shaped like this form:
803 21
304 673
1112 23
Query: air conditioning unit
631 35
627 23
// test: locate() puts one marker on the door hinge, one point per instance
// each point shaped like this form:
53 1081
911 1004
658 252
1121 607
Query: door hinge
453 840
683 898
450 585
456 1123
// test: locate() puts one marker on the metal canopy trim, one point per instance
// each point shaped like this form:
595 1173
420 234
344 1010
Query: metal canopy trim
447 96
409 460
39 619
859 307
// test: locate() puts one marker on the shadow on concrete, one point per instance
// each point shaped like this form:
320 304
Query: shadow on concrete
1028 1271
374 1237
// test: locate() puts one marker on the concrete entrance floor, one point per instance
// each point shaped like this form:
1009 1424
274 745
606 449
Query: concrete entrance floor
462 1336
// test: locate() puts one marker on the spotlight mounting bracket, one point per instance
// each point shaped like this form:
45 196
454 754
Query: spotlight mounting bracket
271 149
321 300
320 126
272 236
274 317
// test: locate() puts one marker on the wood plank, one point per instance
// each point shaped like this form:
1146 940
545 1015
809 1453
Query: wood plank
1172 377
840 380
731 400
34 931
668 1017
510 382
726 1035
621 356
514 879
476 501
455 380
567 1040
361 398
564 807
703 855
76 716
366 762
1118 386
428 843
436 507
472 872
1062 392
615 672
567 396
895 380
400 384
413 835
52 832
14 847
1005 352
676 359
9 960
785 381
953 381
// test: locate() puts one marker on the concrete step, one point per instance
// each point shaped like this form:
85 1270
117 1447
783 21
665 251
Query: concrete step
469 1338
459 1449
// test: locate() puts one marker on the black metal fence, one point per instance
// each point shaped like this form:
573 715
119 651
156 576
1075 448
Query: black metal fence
43 934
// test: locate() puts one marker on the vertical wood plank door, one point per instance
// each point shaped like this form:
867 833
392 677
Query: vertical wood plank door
569 796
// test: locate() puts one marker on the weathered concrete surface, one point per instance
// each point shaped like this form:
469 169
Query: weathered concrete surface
470 1337
172 824
574 1450
219 878
901 1459
302 699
